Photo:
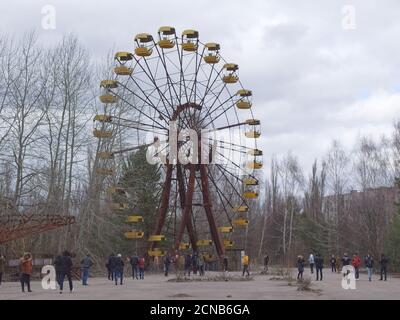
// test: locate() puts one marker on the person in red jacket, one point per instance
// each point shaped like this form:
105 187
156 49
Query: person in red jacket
356 262
141 268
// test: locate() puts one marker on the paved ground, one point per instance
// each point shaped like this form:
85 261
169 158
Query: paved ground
156 287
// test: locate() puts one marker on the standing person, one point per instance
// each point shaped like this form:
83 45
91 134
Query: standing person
194 263
65 271
26 271
86 264
225 264
166 263
246 262
356 262
134 264
57 266
3 263
119 269
266 261
311 262
141 268
201 263
337 265
333 263
110 265
300 267
346 261
319 265
188 264
384 263
369 264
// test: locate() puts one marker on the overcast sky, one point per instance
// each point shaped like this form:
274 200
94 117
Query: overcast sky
315 74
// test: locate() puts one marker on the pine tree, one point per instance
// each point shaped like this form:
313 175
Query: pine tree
141 181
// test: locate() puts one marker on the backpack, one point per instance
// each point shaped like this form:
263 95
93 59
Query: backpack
245 260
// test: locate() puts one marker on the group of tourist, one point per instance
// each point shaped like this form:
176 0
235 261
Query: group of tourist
336 262
115 267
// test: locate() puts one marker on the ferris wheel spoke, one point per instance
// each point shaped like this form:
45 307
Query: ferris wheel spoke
140 111
222 170
154 83
221 195
146 101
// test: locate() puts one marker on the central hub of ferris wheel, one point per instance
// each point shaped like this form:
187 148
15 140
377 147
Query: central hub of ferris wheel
178 83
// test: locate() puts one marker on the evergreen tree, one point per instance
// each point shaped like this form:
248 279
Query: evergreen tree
141 181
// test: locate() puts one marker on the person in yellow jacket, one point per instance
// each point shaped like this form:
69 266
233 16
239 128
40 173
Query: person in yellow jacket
245 263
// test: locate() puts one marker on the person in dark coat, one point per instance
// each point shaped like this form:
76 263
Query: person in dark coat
3 263
194 263
319 265
369 264
225 264
119 269
346 261
266 261
384 263
300 267
110 265
166 263
188 264
134 262
57 266
333 263
66 271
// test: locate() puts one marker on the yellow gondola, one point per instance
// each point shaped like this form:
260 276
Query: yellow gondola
250 181
254 165
203 243
228 243
253 122
134 219
118 206
253 134
225 229
250 195
241 222
255 152
156 253
109 84
106 96
190 40
123 71
184 246
245 99
230 73
241 209
105 171
102 133
156 237
134 234
103 155
123 56
212 54
102 118
166 37
143 44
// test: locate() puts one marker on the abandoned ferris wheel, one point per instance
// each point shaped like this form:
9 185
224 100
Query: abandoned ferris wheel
179 80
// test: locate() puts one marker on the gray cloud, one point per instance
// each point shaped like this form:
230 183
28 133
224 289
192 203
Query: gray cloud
313 81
